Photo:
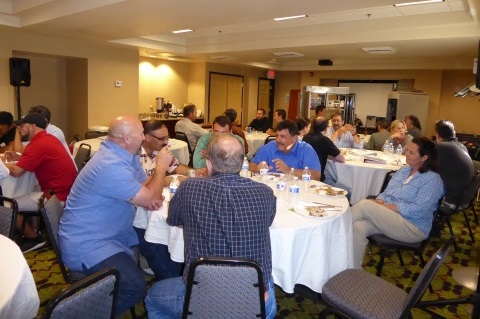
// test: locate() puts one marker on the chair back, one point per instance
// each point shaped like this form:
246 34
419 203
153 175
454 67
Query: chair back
471 190
8 217
425 278
182 137
220 287
83 155
92 297
269 139
52 212
94 134
387 179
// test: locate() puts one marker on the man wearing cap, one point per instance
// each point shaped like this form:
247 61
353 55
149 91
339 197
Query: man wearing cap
46 157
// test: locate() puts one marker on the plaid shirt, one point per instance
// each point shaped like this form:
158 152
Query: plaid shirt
225 215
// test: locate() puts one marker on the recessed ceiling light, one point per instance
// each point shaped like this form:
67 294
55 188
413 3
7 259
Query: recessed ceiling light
291 54
416 2
291 17
182 31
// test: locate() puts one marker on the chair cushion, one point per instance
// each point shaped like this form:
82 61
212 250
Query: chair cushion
382 240
360 294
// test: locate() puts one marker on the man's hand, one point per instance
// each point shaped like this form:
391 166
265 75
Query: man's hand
12 156
155 205
163 159
271 132
203 153
280 166
200 172
350 128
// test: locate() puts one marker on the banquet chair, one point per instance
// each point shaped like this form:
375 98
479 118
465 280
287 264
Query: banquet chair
52 212
222 287
83 155
94 134
182 137
355 293
463 205
269 139
8 217
386 180
91 297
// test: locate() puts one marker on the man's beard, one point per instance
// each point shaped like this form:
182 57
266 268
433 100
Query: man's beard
25 138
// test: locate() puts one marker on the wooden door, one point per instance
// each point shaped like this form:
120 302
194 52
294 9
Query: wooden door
264 96
226 91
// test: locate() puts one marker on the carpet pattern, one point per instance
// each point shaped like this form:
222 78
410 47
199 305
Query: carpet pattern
306 304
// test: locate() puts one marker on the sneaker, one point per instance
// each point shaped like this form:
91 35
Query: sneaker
32 244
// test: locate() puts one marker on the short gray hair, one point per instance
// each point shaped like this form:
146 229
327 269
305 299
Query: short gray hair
225 153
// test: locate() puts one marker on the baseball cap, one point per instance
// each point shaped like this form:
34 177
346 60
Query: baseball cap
32 118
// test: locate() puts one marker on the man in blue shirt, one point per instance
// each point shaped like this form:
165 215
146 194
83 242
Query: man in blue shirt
287 152
96 228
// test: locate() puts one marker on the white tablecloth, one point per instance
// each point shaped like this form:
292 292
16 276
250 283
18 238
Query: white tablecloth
254 140
178 148
18 186
18 296
305 250
362 179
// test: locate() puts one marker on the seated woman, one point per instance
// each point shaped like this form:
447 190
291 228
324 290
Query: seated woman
399 135
404 211
303 127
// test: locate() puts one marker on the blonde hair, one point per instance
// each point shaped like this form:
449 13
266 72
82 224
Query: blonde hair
395 123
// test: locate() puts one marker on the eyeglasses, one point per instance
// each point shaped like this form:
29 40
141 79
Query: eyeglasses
162 139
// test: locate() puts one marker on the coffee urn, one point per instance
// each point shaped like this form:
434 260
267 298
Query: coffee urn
159 104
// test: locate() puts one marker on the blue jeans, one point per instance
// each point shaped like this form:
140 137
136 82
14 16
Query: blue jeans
158 258
165 299
132 284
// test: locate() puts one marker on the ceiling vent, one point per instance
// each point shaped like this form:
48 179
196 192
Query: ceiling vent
380 50
288 54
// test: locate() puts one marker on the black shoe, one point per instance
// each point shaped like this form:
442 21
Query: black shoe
32 244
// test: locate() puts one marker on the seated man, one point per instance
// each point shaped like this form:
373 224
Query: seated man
96 228
157 255
278 116
232 115
322 145
212 219
9 139
192 130
221 125
377 139
455 165
288 152
46 157
343 136
260 122
414 128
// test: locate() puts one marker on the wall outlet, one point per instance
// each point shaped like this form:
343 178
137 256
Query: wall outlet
118 83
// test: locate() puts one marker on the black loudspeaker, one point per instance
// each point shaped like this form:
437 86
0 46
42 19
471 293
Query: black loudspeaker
325 62
20 72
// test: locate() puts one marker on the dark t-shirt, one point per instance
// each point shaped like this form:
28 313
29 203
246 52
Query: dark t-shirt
7 138
455 169
323 146
262 124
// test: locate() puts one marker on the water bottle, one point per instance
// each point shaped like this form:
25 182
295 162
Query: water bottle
263 169
294 190
385 147
281 187
306 177
399 150
391 149
290 175
174 183
244 171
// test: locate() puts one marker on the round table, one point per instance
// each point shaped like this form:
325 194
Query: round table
362 178
305 250
178 148
18 186
18 296
255 140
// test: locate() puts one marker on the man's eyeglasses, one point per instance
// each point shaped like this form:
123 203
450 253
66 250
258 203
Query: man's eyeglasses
162 139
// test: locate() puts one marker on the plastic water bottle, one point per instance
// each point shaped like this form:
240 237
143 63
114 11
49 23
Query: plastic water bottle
391 149
306 177
294 190
244 171
399 150
281 187
385 147
174 183
290 175
263 169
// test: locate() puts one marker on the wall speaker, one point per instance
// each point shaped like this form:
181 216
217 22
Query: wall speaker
20 72
327 62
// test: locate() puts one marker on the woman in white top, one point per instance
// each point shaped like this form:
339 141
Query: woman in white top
399 135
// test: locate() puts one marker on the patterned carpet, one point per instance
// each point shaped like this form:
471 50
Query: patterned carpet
306 304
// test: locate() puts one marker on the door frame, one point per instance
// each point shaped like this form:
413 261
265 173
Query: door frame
271 95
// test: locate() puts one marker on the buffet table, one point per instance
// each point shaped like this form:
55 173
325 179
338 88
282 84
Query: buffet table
305 250
362 179
178 148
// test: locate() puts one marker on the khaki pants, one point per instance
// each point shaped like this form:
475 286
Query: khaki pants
371 218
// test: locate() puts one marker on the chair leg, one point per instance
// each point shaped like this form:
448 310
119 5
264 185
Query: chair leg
472 205
422 264
381 262
399 254
468 225
451 232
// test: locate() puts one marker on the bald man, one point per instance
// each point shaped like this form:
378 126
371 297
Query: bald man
96 229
